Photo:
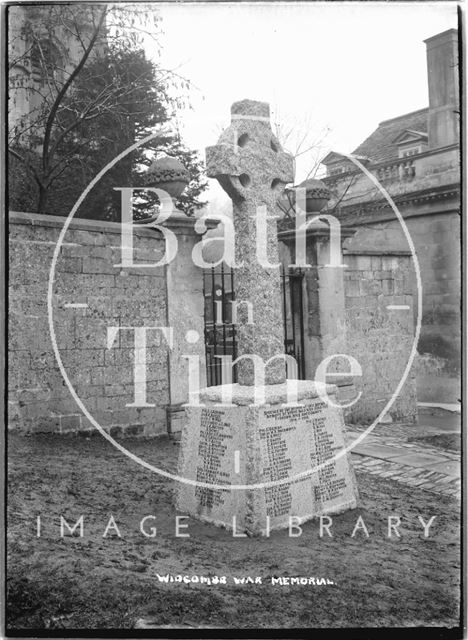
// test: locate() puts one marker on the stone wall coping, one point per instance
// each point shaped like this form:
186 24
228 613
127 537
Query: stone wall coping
376 252
178 222
47 220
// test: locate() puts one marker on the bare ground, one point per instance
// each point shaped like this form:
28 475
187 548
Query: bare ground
96 582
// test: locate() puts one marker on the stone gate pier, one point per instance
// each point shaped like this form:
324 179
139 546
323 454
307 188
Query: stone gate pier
264 450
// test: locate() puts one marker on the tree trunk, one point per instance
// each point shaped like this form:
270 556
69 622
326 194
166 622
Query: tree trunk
43 198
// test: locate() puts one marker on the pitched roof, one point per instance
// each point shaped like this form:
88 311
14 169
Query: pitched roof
409 135
333 156
380 146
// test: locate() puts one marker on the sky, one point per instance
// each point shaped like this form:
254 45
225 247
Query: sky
331 71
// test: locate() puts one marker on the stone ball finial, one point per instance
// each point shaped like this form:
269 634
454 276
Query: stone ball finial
317 194
168 174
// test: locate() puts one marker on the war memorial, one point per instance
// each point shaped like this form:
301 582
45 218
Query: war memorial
276 439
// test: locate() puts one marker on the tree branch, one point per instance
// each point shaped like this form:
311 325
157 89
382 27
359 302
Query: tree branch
28 166
63 91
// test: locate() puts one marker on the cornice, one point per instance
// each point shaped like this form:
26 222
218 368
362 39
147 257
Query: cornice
427 195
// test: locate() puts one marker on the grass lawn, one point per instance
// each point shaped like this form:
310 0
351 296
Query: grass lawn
111 582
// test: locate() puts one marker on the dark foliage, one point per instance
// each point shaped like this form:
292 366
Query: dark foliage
92 107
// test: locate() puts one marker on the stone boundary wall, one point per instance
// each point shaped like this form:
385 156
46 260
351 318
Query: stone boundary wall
38 398
380 338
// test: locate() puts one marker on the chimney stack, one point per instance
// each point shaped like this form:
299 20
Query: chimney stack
442 73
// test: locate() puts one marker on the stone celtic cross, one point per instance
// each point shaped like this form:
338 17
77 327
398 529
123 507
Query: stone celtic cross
250 165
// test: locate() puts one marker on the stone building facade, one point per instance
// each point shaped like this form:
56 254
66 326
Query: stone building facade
416 158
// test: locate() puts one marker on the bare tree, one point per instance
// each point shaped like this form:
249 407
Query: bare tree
300 136
82 76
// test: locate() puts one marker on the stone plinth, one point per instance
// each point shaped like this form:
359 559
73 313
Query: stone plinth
260 444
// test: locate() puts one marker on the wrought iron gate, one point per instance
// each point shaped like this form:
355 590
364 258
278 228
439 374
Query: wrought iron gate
220 332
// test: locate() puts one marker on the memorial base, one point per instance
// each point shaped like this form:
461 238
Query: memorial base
280 448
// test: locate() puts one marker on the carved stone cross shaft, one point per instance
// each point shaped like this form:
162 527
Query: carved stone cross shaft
250 165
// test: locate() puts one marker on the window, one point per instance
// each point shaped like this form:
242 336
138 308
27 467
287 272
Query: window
412 151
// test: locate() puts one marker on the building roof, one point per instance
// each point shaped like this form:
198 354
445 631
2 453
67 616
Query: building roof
409 135
334 157
380 146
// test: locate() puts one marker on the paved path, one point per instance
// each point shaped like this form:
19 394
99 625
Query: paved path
387 453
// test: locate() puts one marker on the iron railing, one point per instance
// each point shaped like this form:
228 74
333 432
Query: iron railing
220 331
